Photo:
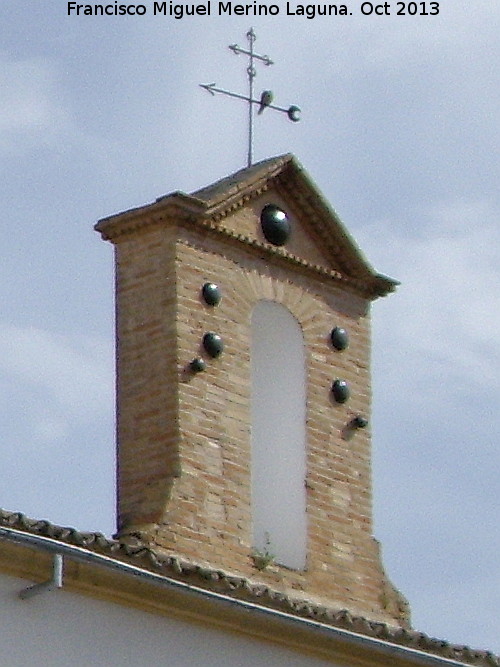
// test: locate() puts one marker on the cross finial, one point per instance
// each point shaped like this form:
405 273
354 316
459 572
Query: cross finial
266 98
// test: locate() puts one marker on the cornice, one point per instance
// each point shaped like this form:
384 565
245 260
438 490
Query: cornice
173 213
209 207
281 255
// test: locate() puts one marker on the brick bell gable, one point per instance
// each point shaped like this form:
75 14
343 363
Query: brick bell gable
184 450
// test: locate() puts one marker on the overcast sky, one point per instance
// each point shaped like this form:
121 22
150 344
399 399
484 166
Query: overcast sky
400 130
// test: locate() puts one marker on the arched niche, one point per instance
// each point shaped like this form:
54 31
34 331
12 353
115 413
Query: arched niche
278 420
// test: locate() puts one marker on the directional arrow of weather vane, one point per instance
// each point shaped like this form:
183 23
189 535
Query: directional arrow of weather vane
266 98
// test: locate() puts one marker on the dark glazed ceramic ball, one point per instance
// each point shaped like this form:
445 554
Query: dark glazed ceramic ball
197 365
275 225
340 391
213 344
339 338
211 294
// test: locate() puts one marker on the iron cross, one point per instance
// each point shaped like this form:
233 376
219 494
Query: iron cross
266 98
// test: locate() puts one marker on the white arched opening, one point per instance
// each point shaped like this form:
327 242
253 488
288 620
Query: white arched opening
278 435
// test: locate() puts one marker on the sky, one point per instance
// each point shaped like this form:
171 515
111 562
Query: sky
399 130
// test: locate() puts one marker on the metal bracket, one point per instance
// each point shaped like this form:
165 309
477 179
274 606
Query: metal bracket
51 585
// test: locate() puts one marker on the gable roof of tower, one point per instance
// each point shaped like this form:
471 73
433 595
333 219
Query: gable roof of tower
209 206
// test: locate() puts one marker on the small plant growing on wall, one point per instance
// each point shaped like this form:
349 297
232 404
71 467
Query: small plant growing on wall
262 558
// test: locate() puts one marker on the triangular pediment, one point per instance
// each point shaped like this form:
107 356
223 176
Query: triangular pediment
319 238
231 206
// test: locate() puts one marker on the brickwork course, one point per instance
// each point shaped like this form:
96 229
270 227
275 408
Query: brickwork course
184 447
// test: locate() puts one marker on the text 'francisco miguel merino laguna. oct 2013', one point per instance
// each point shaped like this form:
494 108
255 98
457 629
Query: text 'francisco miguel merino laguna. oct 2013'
229 8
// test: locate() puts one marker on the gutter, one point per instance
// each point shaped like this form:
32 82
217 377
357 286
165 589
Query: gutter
75 553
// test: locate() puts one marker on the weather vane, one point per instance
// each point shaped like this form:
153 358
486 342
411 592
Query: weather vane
266 98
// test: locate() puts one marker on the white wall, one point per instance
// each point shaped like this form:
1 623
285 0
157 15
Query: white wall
60 629
278 434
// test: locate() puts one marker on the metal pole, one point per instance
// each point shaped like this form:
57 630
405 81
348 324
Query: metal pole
251 75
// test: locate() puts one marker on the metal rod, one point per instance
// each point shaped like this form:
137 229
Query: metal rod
212 88
237 49
251 76
53 584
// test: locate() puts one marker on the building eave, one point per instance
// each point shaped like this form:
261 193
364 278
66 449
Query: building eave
134 575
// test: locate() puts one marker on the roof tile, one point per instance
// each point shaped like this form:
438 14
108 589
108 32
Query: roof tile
173 567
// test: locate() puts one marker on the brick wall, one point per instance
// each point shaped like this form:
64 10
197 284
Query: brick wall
184 438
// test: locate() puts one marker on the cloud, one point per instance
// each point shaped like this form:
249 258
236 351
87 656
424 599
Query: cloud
57 426
37 110
31 106
436 386
448 307
75 376
398 43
